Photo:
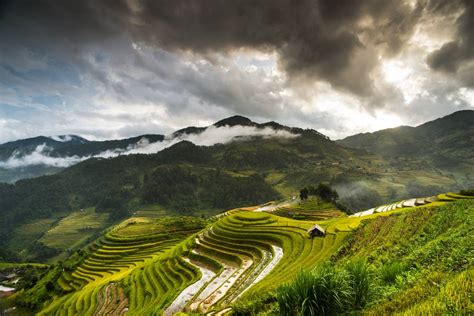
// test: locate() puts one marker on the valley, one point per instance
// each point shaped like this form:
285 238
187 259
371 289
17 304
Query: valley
228 228
236 158
147 265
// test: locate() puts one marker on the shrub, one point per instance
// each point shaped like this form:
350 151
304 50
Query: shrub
360 280
390 271
323 291
469 192
254 304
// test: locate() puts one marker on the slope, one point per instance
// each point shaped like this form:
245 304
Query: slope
445 142
149 266
419 261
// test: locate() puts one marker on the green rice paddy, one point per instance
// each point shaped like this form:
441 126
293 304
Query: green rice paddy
147 266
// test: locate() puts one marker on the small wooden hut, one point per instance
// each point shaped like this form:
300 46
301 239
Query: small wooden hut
316 231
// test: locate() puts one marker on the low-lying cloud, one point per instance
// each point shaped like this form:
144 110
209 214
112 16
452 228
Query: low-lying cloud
210 136
40 156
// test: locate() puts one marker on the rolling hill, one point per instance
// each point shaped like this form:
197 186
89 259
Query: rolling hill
12 153
144 232
446 143
240 260
258 163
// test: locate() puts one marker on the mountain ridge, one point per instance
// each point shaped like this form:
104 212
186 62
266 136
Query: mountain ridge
187 178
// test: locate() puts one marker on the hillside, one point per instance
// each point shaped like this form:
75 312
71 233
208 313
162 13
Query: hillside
29 158
446 143
240 260
267 162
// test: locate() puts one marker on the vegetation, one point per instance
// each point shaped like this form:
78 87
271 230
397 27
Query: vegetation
185 179
373 264
410 262
326 290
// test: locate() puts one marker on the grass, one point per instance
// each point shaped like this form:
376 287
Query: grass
421 256
323 291
26 234
390 271
415 259
142 261
380 263
360 281
74 229
10 265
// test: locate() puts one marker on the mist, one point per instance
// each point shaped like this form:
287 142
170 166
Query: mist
40 156
210 136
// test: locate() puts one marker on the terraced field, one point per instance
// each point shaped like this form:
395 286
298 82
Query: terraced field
152 269
447 197
103 277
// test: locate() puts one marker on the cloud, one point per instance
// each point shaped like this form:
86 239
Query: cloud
211 136
40 156
113 69
456 53
319 40
314 39
62 138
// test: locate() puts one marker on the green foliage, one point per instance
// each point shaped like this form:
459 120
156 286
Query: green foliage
469 192
361 282
323 291
304 194
324 191
185 188
390 271
256 303
39 288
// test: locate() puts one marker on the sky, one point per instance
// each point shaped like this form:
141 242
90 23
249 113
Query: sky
107 69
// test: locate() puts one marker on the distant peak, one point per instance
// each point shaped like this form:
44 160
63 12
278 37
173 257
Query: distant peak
274 125
69 138
235 120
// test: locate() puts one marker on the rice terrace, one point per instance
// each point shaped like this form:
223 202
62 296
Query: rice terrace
143 266
236 158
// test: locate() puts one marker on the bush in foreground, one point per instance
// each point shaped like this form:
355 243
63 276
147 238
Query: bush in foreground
327 290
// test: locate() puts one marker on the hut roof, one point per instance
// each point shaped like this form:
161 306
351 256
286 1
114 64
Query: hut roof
316 227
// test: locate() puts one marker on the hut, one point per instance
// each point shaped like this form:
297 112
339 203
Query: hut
316 231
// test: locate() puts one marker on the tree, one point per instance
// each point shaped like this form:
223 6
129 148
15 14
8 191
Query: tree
326 192
304 194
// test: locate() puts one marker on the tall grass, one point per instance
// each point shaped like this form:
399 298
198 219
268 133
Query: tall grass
390 271
360 280
324 291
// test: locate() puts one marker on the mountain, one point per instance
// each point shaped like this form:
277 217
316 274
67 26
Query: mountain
448 138
56 147
443 148
269 161
31 157
27 146
235 120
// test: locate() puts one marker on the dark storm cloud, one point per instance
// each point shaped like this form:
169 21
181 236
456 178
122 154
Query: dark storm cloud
452 55
315 39
95 66
331 40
